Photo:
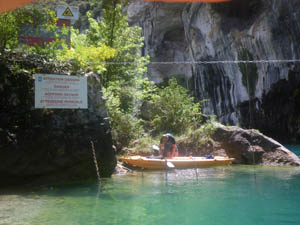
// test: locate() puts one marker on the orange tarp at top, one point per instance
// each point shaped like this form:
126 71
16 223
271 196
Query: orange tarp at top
178 1
7 5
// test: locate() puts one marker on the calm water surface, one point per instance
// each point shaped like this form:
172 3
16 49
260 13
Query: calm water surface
216 196
294 148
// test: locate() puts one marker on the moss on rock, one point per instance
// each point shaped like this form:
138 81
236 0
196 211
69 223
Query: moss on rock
249 72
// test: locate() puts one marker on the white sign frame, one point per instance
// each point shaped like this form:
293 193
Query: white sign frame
60 91
61 9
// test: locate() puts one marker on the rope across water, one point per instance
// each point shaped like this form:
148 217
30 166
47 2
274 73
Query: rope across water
203 62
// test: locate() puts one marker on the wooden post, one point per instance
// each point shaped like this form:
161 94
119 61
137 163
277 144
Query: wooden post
95 161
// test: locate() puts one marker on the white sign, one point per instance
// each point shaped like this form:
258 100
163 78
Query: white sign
67 12
60 91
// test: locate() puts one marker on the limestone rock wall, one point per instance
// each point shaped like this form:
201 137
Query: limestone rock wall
236 30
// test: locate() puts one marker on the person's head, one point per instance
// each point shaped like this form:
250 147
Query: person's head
165 138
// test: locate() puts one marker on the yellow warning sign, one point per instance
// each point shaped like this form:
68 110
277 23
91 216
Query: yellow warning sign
67 12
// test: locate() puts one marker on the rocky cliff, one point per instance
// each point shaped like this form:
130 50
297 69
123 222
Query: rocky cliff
50 144
238 93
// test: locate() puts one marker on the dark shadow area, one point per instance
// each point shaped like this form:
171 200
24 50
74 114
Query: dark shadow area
238 14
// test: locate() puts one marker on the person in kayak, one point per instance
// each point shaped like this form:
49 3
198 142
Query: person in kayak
167 146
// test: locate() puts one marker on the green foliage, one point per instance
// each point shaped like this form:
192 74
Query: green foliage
124 122
14 23
114 23
48 51
123 83
9 28
84 56
174 110
123 105
115 32
202 135
249 72
143 146
195 140
181 79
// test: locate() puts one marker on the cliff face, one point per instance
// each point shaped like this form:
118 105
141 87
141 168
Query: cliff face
237 93
50 144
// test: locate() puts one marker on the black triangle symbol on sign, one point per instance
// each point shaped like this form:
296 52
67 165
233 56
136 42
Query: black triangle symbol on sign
68 12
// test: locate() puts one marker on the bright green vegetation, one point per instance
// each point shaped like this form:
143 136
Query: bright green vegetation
218 196
9 27
173 109
193 140
143 145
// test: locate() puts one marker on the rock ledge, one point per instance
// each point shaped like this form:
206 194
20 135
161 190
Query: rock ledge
252 147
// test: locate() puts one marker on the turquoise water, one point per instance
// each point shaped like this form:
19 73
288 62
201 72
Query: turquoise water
294 148
215 196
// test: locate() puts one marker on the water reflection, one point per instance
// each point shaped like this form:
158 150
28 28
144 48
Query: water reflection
181 177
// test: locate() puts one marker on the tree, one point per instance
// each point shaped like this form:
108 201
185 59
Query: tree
173 109
11 22
14 23
85 56
115 32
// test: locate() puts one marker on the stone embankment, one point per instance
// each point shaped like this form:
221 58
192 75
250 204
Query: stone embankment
51 144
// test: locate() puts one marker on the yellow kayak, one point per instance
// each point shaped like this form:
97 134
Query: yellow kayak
176 162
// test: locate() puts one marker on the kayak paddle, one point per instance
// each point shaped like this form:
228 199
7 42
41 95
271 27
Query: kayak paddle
169 164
